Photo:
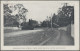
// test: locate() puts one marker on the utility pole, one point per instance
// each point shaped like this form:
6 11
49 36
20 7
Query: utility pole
47 21
51 20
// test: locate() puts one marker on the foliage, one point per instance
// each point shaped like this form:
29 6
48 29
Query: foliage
10 17
21 11
66 15
45 24
26 26
33 23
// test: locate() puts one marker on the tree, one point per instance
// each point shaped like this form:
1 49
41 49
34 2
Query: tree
14 13
44 24
33 23
21 12
7 15
54 18
66 15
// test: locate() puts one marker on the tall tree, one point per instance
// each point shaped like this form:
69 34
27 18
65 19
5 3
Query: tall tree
54 18
14 13
66 15
21 12
7 15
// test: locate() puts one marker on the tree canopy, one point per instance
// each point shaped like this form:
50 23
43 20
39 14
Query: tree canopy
13 13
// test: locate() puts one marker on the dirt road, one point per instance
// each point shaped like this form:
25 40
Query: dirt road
38 37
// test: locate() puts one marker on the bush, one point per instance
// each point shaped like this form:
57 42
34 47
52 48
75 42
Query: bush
26 26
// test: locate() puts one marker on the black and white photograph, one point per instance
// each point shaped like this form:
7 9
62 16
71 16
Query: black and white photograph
39 23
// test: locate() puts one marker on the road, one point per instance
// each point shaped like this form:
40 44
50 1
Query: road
38 37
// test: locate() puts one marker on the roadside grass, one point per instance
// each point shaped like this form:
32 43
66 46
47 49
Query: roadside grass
10 30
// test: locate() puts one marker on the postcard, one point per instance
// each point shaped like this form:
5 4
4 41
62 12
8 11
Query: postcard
40 25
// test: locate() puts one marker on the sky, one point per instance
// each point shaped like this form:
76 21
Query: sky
39 10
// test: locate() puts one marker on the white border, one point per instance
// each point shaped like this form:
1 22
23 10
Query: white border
76 30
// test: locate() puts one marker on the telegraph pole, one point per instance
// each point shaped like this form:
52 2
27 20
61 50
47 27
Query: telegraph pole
47 21
51 22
